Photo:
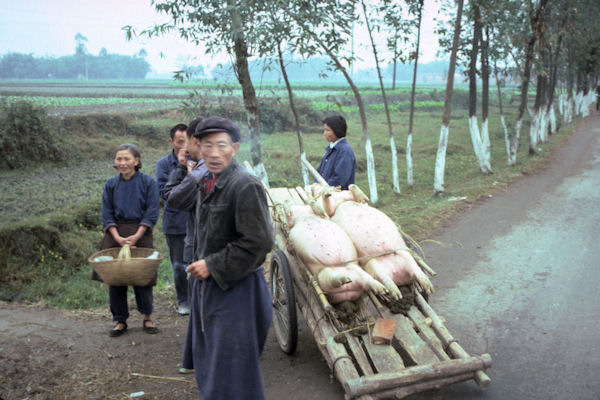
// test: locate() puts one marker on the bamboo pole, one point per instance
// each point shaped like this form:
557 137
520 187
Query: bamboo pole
400 393
334 353
416 374
314 172
482 379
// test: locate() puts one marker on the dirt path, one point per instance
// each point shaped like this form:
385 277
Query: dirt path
56 354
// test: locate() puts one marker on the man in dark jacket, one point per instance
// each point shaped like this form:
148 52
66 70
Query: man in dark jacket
231 309
174 221
338 165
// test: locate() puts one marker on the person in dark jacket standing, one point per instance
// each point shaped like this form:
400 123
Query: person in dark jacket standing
174 221
338 165
181 192
231 310
129 211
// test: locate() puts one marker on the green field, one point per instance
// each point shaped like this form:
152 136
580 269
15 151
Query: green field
49 213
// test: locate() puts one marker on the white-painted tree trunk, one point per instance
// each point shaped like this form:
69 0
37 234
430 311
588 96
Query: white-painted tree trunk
261 173
440 160
304 170
552 120
579 103
586 103
542 126
506 137
409 161
478 146
371 171
569 105
395 177
487 146
513 143
561 99
534 132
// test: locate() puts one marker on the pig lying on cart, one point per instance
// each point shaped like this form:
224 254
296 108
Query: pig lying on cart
357 234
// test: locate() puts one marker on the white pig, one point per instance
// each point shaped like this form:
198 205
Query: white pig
373 232
324 248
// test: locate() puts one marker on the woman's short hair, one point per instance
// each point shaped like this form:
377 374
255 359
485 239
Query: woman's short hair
134 150
337 123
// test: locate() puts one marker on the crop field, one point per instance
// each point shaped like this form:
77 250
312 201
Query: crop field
51 188
40 200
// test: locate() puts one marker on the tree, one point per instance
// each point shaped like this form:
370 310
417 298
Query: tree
227 26
536 23
81 52
274 31
327 25
416 8
479 140
440 160
395 178
80 41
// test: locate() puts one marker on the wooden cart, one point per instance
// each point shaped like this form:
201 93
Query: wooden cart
423 355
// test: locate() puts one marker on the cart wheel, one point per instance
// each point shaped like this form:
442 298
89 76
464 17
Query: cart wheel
284 303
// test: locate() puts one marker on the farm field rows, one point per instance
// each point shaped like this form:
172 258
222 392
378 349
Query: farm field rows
38 197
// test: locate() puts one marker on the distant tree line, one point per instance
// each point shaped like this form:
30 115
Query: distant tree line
77 66
300 70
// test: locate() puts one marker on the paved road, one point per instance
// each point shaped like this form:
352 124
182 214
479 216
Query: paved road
518 278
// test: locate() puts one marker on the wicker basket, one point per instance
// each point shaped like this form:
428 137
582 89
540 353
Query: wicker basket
130 267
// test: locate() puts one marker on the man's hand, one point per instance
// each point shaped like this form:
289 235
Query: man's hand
199 269
182 157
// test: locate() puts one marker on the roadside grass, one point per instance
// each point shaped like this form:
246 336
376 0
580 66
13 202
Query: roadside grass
41 204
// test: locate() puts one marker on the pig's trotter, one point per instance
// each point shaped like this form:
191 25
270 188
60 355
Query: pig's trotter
425 283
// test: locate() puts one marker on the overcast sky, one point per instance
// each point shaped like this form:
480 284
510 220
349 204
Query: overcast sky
48 28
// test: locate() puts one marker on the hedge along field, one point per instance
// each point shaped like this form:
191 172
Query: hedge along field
52 224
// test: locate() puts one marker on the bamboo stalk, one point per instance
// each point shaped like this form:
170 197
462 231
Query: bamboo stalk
314 172
334 353
170 378
482 379
423 264
400 393
416 374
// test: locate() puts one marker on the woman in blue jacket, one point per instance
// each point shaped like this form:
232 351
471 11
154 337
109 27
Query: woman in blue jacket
338 165
129 211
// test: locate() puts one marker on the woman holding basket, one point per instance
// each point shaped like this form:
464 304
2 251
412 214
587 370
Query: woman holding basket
129 211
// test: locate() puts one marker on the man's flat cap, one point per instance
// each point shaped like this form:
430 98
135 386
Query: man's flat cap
217 124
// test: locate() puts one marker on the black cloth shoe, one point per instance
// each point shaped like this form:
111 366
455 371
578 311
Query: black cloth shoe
118 332
149 329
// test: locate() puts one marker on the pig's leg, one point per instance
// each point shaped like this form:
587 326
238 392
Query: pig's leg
416 272
332 278
383 274
368 281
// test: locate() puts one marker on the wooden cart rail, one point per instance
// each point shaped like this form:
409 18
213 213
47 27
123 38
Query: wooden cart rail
423 354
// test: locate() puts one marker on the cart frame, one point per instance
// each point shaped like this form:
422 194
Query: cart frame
423 354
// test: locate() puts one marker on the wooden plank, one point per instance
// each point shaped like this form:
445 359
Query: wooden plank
412 345
295 197
335 354
384 357
482 379
416 374
278 195
429 335
402 392
359 355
